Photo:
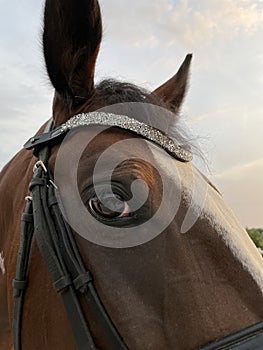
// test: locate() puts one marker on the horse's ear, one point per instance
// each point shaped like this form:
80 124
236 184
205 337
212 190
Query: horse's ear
71 40
173 91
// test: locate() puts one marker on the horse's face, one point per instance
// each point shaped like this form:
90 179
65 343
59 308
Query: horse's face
159 260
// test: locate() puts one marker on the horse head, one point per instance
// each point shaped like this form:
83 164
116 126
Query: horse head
170 262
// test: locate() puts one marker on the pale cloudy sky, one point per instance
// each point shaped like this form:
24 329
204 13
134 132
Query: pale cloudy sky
145 42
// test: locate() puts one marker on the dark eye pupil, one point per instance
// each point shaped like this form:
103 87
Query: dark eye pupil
112 206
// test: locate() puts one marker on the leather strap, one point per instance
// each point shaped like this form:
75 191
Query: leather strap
82 278
57 245
21 281
250 338
47 138
48 243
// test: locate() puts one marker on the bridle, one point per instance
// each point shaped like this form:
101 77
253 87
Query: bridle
43 218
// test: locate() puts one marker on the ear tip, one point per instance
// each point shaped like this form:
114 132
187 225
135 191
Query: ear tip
189 57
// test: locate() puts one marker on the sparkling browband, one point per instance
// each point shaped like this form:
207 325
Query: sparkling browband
126 123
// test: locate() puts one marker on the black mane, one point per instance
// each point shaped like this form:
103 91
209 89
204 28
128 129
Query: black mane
113 91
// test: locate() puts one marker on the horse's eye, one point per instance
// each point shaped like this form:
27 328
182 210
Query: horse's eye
109 206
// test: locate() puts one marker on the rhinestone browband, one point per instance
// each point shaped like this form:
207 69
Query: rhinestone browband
112 120
130 124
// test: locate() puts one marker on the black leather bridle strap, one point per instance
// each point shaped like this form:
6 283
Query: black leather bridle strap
250 338
55 239
57 246
20 281
48 243
82 278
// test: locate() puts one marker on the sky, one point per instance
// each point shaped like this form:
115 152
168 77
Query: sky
145 42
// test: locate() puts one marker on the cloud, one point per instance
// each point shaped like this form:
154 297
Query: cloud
189 23
242 187
209 20
24 105
237 171
136 23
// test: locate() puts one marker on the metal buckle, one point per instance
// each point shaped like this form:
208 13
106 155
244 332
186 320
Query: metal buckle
28 199
53 184
38 165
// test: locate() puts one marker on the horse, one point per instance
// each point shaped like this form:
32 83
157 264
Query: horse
143 255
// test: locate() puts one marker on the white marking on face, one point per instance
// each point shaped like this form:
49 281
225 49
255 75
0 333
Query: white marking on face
2 265
209 205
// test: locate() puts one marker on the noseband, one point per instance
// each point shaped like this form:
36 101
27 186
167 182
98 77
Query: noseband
43 218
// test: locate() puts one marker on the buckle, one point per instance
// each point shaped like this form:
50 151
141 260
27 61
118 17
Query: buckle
39 164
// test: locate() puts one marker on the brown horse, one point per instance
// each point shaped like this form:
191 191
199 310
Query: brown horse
176 290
